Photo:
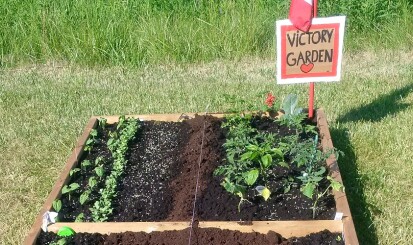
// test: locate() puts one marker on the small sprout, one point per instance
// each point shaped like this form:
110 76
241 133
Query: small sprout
61 241
57 205
94 133
84 197
92 182
102 122
73 171
99 171
70 188
98 160
85 163
263 191
80 217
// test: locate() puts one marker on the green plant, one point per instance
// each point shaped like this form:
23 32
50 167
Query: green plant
61 241
250 156
118 145
102 122
84 196
85 163
335 185
57 205
73 171
80 217
293 115
70 188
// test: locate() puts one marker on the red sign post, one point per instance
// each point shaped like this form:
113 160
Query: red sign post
309 49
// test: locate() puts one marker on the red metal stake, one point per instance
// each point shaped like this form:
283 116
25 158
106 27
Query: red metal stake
311 94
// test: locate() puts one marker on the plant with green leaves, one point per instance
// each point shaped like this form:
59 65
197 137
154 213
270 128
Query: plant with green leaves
91 140
293 116
333 184
57 205
306 154
70 188
102 122
118 145
80 217
250 155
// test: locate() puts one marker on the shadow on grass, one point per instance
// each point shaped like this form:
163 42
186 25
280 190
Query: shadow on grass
387 104
360 209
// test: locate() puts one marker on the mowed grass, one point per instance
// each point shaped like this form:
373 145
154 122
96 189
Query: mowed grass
44 109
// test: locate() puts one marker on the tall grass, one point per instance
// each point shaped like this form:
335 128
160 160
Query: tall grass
134 33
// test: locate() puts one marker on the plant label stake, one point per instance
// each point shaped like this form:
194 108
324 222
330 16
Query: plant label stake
309 50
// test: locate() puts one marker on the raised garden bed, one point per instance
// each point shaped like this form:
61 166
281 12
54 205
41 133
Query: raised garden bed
156 191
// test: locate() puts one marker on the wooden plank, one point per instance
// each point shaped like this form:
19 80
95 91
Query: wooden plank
159 117
350 235
168 117
285 228
118 227
61 181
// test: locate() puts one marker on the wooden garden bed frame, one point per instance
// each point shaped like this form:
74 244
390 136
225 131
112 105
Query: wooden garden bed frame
285 228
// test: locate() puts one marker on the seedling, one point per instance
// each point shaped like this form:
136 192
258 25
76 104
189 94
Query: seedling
70 188
61 241
57 205
80 217
73 171
89 145
84 196
99 171
85 163
335 185
92 182
263 191
102 122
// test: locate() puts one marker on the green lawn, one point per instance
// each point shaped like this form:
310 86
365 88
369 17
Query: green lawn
44 108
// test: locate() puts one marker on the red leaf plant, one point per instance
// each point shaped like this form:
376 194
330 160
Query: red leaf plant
269 101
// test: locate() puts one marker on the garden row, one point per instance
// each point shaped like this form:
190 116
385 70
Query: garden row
266 172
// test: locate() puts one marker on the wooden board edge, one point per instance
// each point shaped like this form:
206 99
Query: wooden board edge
287 229
176 117
118 227
342 205
60 182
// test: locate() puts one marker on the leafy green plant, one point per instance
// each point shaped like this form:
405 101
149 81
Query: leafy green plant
250 155
70 188
118 145
73 171
102 122
293 116
85 163
335 185
99 171
80 217
61 241
57 205
84 196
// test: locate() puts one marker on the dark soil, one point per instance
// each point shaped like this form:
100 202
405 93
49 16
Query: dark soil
199 236
145 192
160 178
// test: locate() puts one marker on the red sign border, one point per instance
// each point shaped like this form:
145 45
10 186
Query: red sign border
333 73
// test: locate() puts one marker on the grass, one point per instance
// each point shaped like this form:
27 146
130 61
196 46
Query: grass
135 33
45 107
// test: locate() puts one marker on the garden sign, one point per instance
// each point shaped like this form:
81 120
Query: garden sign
312 56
